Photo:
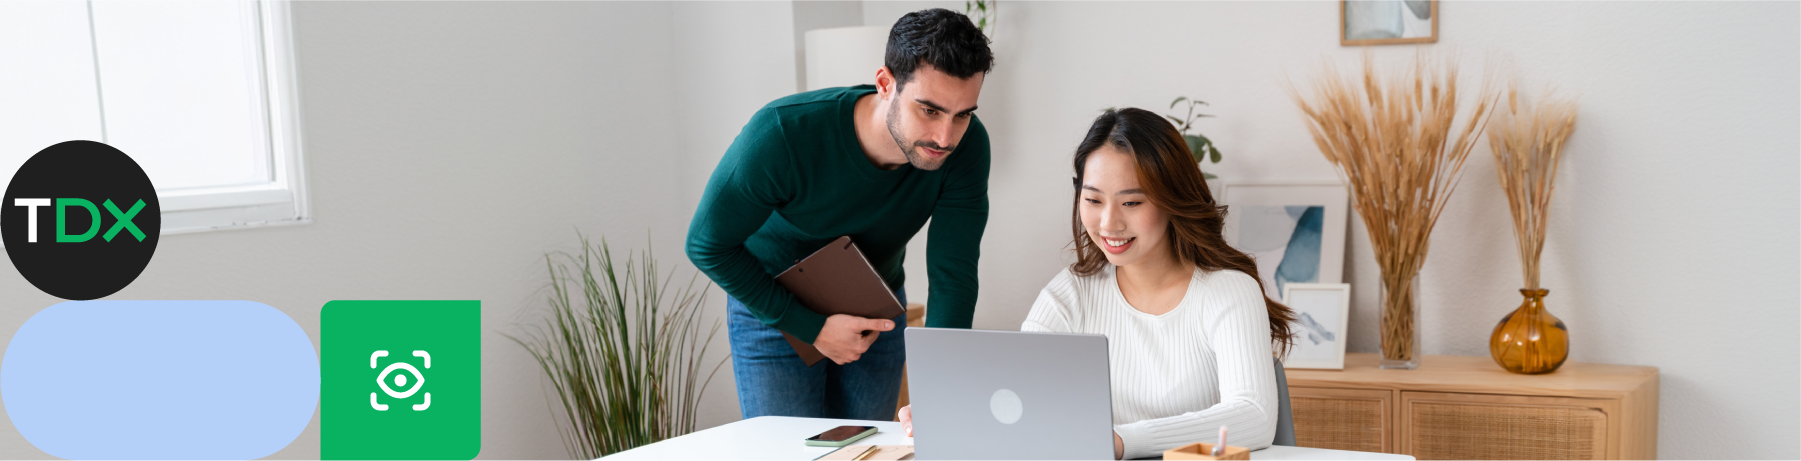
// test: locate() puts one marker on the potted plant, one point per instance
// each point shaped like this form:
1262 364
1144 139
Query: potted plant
625 355
984 13
1198 144
1527 143
1391 138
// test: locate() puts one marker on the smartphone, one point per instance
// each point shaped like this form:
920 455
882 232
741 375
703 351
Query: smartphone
840 436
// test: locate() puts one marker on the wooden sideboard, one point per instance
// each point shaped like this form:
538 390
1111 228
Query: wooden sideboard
1469 408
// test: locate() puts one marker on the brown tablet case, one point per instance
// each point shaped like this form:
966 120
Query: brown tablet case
837 279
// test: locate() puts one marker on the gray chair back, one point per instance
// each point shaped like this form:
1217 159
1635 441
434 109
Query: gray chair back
1284 413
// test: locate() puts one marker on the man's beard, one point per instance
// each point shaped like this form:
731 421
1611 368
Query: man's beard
918 160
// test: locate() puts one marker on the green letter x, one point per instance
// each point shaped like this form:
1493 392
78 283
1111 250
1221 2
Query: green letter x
124 220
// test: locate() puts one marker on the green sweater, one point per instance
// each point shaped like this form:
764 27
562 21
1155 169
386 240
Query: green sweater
795 179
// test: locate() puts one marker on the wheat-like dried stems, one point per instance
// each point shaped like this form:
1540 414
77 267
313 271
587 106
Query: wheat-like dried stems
1391 141
1527 144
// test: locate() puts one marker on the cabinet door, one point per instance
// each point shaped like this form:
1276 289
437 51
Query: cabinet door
1483 426
1343 419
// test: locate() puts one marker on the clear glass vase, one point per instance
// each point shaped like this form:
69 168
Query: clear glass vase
1400 326
1530 340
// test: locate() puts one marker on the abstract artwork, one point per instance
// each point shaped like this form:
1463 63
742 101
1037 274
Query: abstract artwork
1287 234
1321 311
1294 231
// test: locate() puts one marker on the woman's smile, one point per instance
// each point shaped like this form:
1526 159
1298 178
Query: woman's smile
1117 246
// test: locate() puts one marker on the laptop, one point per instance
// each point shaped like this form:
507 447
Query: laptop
980 394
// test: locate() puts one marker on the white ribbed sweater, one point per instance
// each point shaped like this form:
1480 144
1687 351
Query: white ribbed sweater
1176 377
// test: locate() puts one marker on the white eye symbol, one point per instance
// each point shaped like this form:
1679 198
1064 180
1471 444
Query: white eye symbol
401 380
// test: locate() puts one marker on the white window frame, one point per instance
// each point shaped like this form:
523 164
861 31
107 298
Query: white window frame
283 200
280 200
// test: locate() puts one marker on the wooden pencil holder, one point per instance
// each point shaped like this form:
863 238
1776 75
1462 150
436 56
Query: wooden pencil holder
1201 450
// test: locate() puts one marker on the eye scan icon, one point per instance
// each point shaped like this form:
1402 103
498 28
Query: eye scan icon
425 360
400 380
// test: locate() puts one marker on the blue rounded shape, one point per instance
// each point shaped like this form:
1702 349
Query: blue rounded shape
160 380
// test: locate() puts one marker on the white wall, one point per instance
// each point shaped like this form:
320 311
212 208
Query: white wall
732 58
449 145
1674 234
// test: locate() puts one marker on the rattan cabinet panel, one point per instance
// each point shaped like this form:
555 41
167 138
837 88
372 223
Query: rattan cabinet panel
1477 426
1343 419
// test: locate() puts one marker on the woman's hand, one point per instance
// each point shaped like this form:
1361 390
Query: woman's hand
1119 447
906 420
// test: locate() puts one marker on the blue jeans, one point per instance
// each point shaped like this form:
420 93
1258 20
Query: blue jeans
773 381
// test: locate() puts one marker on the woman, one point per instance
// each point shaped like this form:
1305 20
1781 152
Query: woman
1189 330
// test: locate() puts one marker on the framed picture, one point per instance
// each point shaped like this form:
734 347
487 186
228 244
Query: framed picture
1385 22
1295 230
1321 313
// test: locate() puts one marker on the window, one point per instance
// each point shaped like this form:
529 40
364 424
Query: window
200 93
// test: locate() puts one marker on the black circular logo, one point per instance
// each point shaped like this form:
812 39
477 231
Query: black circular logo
80 220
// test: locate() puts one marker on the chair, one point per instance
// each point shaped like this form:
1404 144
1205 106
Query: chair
1284 413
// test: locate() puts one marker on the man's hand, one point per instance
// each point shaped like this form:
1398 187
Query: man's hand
842 338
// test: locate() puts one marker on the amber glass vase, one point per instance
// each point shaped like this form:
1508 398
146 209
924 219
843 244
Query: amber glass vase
1530 340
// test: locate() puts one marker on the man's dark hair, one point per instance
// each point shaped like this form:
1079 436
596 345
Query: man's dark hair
942 38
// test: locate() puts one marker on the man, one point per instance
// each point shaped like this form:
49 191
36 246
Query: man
871 162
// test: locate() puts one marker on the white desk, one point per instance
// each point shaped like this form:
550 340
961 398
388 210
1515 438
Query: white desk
776 437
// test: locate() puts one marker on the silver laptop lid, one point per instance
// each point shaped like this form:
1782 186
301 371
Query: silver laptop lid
981 394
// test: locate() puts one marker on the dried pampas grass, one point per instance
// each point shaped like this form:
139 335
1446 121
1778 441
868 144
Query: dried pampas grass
1527 142
1390 138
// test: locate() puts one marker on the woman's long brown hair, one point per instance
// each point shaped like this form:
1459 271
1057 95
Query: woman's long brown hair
1173 182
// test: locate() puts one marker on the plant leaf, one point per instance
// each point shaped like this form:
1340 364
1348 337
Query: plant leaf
1196 144
1179 99
1215 152
1179 123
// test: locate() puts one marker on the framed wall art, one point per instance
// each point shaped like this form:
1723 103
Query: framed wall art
1322 313
1385 22
1295 230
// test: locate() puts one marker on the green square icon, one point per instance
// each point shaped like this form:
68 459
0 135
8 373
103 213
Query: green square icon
400 380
